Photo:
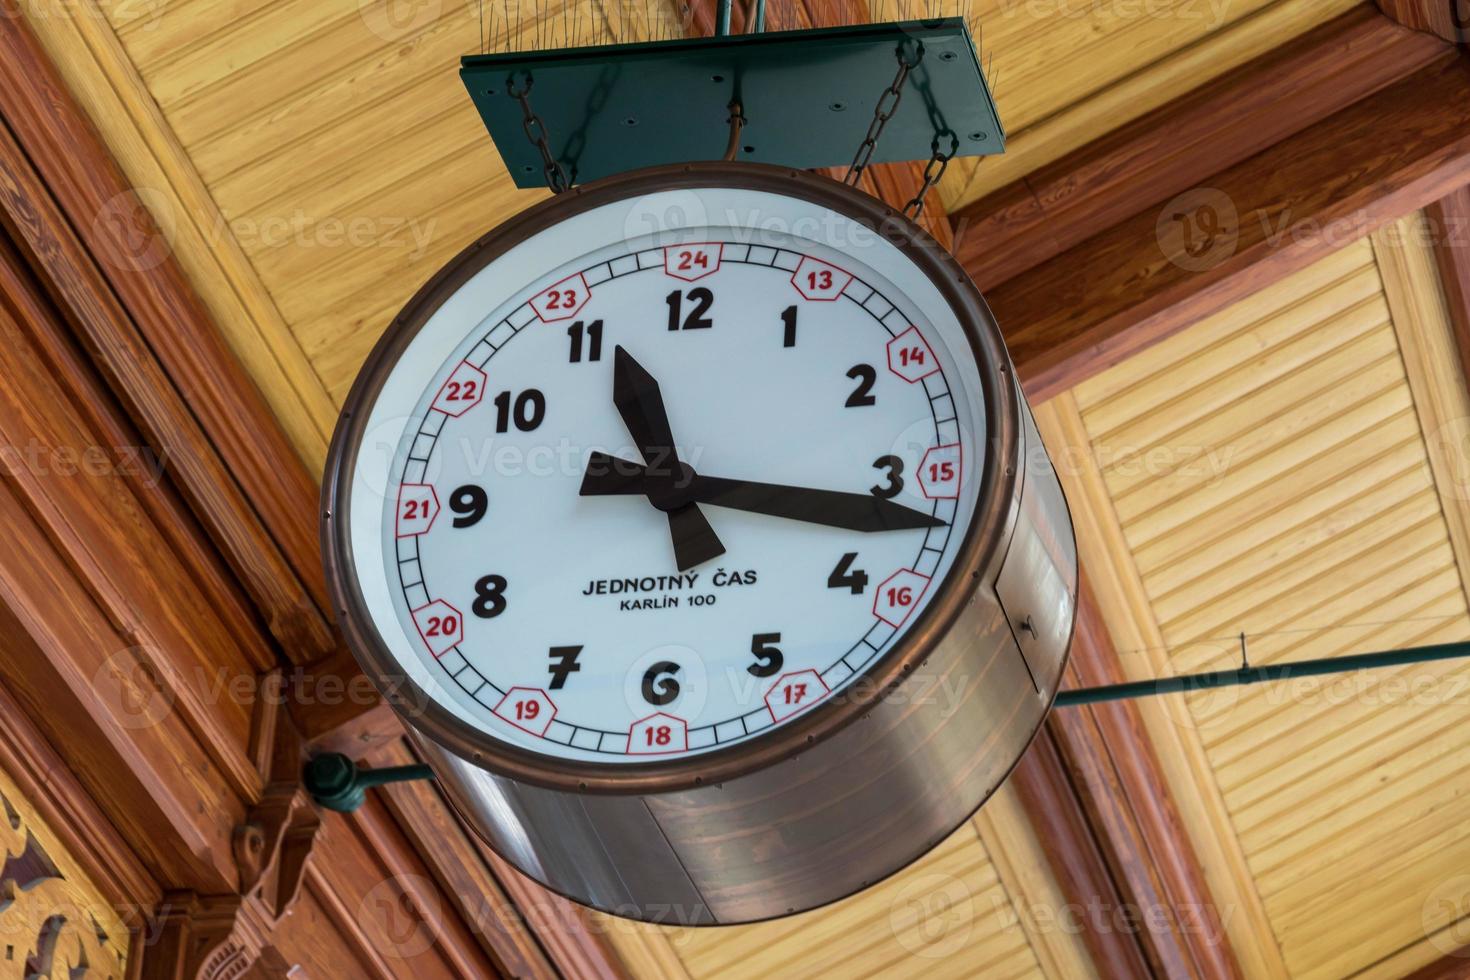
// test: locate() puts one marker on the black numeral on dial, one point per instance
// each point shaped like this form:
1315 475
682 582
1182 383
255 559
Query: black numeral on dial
844 576
768 658
893 469
592 334
788 318
865 377
489 597
702 299
659 685
563 664
527 411
470 503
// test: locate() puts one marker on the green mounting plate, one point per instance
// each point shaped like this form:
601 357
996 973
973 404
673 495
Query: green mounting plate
808 97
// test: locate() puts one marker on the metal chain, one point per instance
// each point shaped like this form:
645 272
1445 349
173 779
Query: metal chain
556 175
886 107
933 171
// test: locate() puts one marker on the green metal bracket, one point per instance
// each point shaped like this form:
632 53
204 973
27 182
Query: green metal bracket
1246 675
808 97
336 783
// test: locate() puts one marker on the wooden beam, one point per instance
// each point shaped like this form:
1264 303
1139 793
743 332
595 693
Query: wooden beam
1449 227
1077 859
1447 19
1154 273
1182 144
145 327
1123 790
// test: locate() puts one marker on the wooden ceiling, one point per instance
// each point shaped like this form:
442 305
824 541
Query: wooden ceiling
1280 468
313 161
1272 470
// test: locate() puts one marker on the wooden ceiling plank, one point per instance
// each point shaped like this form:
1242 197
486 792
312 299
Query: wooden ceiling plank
1183 143
1117 293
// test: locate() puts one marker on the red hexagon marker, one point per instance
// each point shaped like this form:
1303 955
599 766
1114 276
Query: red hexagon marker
795 692
693 261
658 734
461 391
527 708
418 505
820 281
899 595
941 472
563 300
440 625
909 356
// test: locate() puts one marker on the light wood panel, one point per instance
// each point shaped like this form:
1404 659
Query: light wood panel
1282 469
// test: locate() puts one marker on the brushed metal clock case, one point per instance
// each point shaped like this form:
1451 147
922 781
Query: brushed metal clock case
854 789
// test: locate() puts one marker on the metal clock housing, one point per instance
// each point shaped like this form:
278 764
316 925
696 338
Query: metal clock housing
836 791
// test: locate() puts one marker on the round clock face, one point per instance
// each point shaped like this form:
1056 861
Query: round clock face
630 493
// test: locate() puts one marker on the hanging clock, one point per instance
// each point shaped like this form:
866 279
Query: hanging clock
696 524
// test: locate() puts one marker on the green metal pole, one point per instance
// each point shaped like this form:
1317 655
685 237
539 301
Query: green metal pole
1258 675
722 17
760 16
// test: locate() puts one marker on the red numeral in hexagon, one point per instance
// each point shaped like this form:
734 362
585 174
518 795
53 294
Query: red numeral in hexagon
461 391
819 281
941 472
527 708
440 625
899 596
909 356
418 505
657 734
562 301
795 692
693 261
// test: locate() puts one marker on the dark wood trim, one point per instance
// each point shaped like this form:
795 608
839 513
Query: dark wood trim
74 214
1131 286
1451 966
1122 788
459 866
1077 859
1182 144
1449 223
1447 19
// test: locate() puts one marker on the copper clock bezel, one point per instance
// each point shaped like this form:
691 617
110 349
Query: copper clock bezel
979 549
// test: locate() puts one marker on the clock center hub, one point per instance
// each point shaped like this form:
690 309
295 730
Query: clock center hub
669 490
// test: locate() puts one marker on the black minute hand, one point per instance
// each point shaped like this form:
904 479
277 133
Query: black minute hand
833 508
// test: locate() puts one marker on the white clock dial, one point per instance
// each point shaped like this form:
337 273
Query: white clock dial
563 579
